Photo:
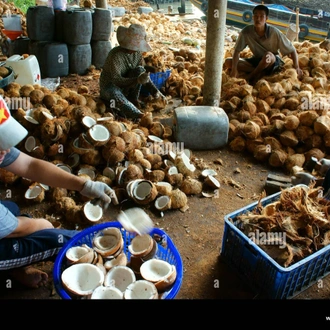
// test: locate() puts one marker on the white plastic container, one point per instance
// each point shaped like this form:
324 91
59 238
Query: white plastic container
27 70
12 22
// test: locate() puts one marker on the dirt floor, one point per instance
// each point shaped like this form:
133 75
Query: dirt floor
197 232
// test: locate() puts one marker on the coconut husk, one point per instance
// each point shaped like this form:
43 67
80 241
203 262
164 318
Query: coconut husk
294 160
238 144
289 138
277 158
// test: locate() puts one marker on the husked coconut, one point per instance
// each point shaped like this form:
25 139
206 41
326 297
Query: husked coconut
294 160
261 152
307 118
277 158
191 186
314 152
303 132
35 193
163 188
322 125
178 199
251 130
163 203
272 143
289 138
291 122
238 144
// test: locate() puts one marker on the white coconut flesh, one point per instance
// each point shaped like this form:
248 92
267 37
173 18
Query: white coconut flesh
31 120
141 289
121 260
207 172
120 277
142 190
93 212
82 279
30 143
154 270
88 121
172 170
99 133
186 163
33 192
76 252
136 220
141 244
212 182
107 292
90 172
65 168
109 172
162 202
154 138
106 242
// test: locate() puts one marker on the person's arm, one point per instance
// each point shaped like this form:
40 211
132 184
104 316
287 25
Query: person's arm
45 172
295 60
235 60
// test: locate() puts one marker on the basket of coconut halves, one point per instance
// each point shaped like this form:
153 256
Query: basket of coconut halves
125 259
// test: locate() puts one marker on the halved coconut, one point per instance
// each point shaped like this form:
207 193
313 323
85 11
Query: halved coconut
107 292
109 172
131 186
208 171
159 272
87 170
154 138
120 260
30 119
65 167
35 192
92 212
79 254
212 182
82 279
120 277
144 192
163 203
99 135
141 245
183 164
135 220
164 188
88 121
108 241
141 289
77 148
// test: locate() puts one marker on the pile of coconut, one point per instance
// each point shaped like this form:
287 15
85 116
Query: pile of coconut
108 269
282 120
76 132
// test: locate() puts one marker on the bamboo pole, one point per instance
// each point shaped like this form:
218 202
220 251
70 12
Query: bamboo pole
297 23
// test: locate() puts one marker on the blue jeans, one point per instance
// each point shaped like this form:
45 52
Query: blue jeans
41 245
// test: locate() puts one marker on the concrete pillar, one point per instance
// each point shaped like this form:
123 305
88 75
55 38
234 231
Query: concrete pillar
214 53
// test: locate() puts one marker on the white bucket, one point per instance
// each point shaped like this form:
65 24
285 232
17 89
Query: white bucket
12 22
292 32
27 69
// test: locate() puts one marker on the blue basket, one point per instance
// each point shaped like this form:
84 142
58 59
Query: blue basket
264 275
159 79
168 253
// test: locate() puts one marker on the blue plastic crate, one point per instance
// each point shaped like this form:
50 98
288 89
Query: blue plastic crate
264 275
159 79
168 253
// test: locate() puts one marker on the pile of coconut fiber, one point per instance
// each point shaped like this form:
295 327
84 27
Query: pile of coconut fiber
290 228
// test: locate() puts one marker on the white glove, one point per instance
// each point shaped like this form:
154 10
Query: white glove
143 78
97 189
302 178
325 165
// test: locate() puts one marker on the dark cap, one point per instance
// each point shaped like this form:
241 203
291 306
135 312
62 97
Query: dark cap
261 7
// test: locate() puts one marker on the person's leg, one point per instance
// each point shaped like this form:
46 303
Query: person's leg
12 207
265 64
18 254
119 102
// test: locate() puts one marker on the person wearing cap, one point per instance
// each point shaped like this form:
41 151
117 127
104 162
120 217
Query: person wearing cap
124 73
267 44
25 240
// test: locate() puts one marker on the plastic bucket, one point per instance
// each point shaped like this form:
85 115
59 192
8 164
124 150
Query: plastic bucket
12 22
292 32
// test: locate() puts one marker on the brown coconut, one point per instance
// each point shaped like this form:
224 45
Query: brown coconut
92 157
8 177
191 186
291 122
36 96
322 125
303 132
307 118
178 199
294 160
261 152
112 155
314 152
272 143
133 172
277 158
238 144
251 130
155 175
289 138
251 144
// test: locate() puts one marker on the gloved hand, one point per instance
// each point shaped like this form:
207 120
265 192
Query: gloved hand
143 78
160 95
302 178
97 189
325 165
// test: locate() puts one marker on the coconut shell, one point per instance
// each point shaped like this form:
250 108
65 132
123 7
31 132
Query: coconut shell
155 175
307 118
251 130
261 153
289 138
291 122
178 199
294 160
277 158
238 144
191 186
322 125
